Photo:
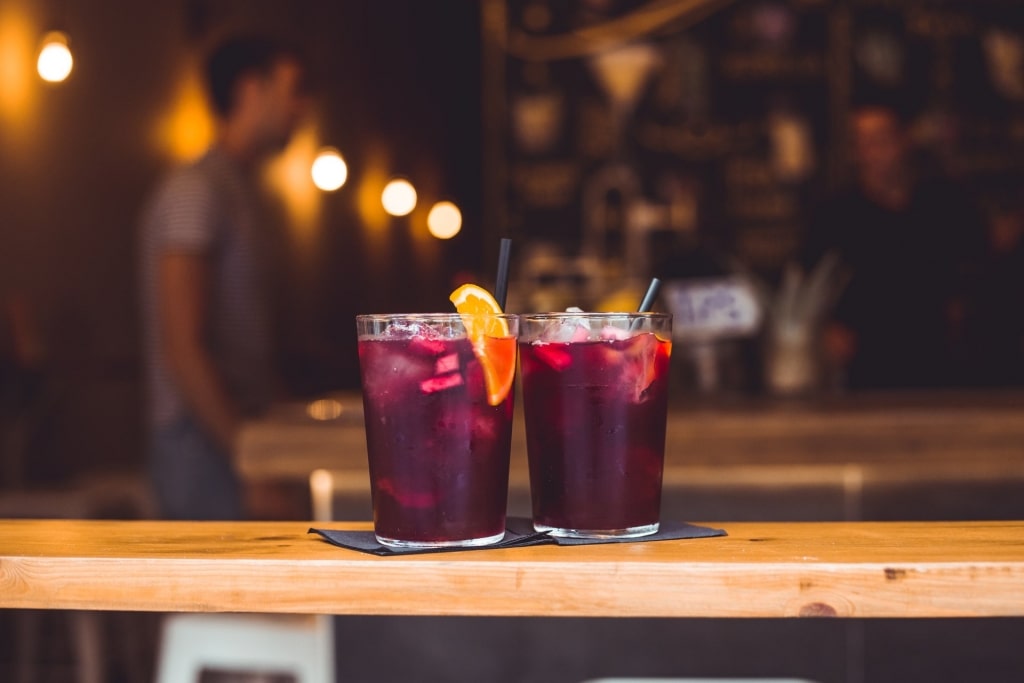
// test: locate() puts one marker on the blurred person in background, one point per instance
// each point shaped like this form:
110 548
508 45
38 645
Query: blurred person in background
994 322
205 306
907 238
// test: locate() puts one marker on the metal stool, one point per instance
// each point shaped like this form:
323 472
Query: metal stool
300 646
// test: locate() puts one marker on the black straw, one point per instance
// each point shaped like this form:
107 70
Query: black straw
501 284
652 292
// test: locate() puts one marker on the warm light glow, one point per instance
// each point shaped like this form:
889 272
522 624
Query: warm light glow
288 176
374 168
187 128
444 220
55 61
399 197
329 170
321 484
18 92
324 409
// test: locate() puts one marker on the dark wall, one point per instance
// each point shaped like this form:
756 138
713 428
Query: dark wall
397 92
75 160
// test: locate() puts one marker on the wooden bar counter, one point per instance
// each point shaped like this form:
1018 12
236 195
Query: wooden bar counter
844 569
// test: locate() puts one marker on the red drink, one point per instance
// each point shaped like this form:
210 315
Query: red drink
595 423
438 451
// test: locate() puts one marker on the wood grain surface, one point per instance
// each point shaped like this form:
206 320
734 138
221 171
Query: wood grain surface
844 569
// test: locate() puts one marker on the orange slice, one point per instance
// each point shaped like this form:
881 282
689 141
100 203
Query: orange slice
493 346
498 361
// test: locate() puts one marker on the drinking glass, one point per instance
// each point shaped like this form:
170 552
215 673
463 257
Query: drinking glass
438 449
595 396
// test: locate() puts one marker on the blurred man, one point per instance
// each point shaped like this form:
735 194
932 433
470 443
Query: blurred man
994 324
905 236
207 337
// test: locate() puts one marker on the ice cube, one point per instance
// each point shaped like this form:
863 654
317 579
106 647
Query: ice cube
427 345
407 329
391 373
567 328
410 499
639 370
556 331
582 332
555 356
447 363
440 383
423 338
609 332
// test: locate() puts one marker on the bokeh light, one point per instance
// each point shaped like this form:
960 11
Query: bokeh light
399 197
187 127
55 60
19 92
329 170
287 175
444 220
324 409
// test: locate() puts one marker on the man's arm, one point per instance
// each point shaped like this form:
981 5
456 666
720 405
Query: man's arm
182 303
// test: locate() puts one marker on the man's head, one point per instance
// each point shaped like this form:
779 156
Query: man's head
880 143
257 88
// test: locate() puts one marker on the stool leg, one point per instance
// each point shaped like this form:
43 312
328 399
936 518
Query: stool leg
88 640
135 631
27 624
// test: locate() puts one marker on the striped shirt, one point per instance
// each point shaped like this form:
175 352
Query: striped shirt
209 208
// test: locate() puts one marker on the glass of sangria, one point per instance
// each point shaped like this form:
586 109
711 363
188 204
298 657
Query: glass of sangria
595 396
437 398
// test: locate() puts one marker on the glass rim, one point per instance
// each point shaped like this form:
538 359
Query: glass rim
427 316
601 315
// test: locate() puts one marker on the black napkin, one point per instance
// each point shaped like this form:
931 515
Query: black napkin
518 532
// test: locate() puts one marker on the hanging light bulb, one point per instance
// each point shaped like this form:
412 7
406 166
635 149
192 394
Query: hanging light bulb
329 170
55 60
444 220
399 197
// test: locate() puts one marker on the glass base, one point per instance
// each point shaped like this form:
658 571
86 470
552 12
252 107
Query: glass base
466 543
631 532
